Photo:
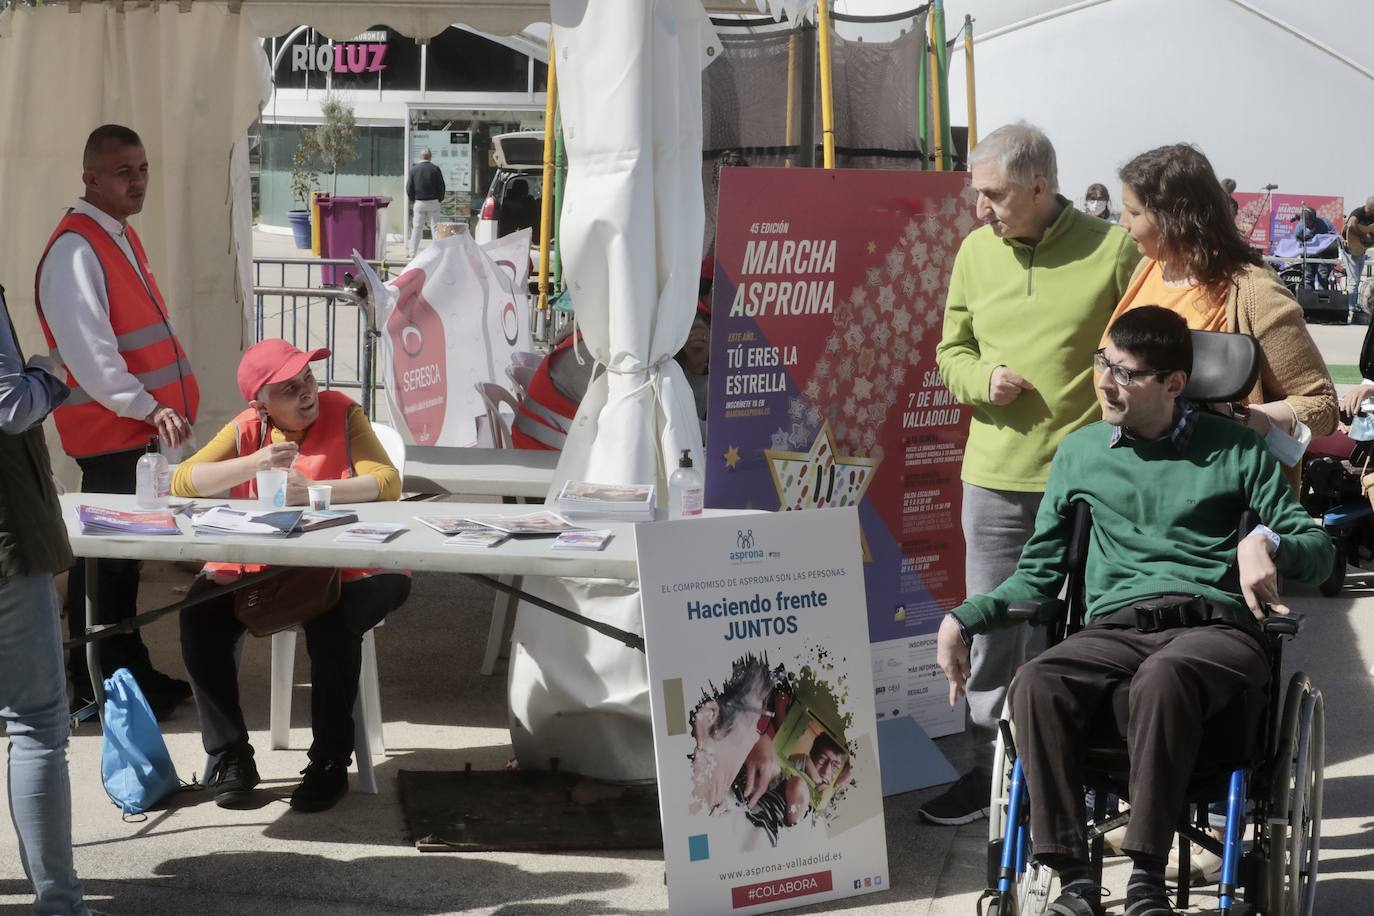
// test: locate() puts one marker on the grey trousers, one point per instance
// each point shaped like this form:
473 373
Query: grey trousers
997 524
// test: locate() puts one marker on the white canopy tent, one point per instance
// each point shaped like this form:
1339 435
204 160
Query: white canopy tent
190 77
1270 90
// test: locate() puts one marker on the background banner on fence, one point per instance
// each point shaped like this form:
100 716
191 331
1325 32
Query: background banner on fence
764 733
1273 219
452 319
828 303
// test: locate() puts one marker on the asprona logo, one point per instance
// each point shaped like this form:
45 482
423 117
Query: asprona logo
745 549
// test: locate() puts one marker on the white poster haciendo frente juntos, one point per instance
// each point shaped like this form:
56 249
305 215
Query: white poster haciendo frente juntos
452 319
762 693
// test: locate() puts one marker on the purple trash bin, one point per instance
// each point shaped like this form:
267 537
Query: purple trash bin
348 223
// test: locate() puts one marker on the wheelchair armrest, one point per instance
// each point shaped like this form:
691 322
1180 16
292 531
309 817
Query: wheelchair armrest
1281 626
1037 612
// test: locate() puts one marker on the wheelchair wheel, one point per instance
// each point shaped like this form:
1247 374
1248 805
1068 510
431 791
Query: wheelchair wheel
1336 581
1034 887
1296 802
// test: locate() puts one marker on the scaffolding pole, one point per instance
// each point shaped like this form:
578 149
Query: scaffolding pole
827 87
539 319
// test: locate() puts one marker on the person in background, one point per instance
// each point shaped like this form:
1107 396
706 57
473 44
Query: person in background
695 355
1310 226
425 190
104 317
1359 236
1197 264
1229 186
1029 298
33 684
1097 202
322 437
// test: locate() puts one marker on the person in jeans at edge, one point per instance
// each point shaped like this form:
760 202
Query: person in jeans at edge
1167 484
425 189
33 681
1029 298
105 320
321 437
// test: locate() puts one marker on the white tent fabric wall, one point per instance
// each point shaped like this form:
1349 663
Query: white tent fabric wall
190 84
1270 90
630 95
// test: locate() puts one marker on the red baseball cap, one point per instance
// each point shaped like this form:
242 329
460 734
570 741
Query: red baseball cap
270 361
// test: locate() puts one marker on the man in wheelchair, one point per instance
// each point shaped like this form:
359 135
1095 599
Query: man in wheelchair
1172 601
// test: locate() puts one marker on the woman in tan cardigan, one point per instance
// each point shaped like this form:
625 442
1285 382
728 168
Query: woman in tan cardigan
1197 264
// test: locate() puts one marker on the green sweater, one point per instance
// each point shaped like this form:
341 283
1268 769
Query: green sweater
1040 311
1163 522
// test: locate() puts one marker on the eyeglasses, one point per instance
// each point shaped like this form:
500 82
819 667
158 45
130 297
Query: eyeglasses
1120 374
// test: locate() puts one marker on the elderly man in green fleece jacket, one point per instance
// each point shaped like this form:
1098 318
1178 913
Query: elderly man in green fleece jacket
1166 484
1029 298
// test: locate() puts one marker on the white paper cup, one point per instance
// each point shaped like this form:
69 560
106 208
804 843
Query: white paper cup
272 488
319 496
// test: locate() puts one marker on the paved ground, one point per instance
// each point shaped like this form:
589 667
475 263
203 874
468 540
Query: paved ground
195 858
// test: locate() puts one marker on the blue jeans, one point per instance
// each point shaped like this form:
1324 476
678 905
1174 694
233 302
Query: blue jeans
33 705
1354 271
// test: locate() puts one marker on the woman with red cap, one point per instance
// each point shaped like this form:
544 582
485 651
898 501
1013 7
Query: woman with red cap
320 437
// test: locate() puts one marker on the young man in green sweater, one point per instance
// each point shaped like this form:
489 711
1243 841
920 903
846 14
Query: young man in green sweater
1029 298
1166 483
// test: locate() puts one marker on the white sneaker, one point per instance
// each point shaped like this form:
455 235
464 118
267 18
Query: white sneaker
1204 866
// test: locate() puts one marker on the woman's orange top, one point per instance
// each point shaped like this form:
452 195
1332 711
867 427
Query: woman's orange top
1192 302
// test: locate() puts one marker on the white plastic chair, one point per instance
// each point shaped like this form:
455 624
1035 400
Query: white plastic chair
367 716
493 397
525 358
520 377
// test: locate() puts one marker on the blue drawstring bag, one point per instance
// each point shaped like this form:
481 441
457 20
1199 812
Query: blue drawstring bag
134 763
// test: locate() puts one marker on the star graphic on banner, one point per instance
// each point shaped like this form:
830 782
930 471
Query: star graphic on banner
819 477
866 361
779 440
872 247
863 388
901 321
731 456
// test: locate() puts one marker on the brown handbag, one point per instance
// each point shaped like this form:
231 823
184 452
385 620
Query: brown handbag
295 597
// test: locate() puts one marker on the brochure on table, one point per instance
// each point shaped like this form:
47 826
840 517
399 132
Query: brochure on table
762 697
827 307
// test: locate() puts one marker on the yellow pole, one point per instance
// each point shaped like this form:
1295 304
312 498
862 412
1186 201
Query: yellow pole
968 79
546 195
791 93
827 88
937 119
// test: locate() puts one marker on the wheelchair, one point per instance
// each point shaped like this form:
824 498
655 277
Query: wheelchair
1263 756
1332 472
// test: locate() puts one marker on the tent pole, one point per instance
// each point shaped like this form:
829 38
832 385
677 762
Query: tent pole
806 129
791 137
937 130
827 87
968 77
539 319
946 132
923 101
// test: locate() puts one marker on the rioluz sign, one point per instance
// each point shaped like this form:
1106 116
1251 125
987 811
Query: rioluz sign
364 54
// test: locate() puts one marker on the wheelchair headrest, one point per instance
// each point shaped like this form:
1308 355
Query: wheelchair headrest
1225 366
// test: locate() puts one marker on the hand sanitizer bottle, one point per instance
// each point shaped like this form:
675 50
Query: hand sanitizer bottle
152 479
686 492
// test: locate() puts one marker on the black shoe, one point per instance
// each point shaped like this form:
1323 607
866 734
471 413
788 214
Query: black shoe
962 803
1070 904
233 780
155 683
325 782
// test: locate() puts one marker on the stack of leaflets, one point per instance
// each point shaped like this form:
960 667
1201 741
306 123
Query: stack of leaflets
532 524
582 540
369 533
99 520
478 537
316 519
620 502
222 520
450 525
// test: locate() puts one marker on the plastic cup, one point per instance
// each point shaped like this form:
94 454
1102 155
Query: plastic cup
319 496
272 488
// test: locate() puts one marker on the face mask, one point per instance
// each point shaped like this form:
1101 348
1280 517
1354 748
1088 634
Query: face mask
1362 428
1096 207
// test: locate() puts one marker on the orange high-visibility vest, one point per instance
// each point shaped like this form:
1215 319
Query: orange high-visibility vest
143 334
325 454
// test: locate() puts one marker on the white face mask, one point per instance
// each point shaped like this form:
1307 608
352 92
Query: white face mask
1096 207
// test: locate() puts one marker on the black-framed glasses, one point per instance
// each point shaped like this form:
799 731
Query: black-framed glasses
1122 375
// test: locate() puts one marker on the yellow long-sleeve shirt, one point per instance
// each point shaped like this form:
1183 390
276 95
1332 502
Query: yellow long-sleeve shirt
369 457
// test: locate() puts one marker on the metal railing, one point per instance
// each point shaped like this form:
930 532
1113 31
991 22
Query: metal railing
300 308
